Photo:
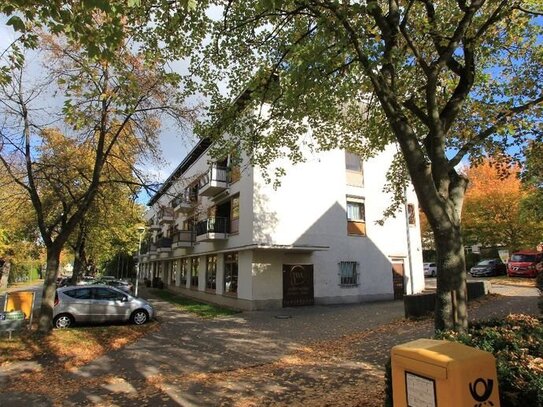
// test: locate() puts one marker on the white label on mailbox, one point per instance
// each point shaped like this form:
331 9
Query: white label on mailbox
421 391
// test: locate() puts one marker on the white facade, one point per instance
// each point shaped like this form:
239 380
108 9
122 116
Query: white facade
293 245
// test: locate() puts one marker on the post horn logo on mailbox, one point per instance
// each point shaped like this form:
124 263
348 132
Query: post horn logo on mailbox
481 390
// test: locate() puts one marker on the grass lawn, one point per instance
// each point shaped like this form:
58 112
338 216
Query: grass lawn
198 308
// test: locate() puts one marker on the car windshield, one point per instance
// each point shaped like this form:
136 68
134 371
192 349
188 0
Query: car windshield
485 263
524 258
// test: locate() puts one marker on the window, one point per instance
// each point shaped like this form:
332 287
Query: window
234 164
356 216
411 214
80 293
234 215
173 272
106 294
354 170
231 273
192 192
194 265
184 271
348 273
211 272
355 211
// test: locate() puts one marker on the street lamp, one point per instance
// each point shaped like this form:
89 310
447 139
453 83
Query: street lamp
141 230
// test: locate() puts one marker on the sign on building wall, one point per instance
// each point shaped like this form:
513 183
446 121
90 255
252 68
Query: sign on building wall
298 285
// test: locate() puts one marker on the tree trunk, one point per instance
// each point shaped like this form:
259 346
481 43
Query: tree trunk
79 260
78 264
451 295
5 266
45 322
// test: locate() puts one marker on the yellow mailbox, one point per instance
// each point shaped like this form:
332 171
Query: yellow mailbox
431 373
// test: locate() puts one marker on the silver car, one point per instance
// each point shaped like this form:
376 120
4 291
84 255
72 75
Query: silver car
98 303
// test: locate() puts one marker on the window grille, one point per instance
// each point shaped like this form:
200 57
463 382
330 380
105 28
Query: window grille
348 273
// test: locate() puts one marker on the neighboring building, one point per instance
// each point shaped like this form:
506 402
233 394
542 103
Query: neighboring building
223 235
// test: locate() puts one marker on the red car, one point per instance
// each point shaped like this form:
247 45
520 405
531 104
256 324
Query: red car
524 264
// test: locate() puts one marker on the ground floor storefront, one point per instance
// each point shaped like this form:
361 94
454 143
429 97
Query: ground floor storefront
272 278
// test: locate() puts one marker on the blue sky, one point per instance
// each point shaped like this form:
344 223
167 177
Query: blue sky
174 144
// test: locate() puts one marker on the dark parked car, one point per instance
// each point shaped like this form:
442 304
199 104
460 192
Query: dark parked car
98 303
489 267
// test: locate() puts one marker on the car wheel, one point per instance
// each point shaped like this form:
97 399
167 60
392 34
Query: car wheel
139 317
63 321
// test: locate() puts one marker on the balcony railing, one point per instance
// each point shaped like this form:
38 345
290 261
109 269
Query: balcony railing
144 248
212 229
166 215
214 181
183 238
164 244
183 202
152 224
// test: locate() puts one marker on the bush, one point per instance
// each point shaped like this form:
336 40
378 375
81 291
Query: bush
517 344
539 284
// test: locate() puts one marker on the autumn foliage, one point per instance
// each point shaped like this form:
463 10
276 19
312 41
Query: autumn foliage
492 213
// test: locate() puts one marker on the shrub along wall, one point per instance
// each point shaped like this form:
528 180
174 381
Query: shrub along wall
517 343
539 283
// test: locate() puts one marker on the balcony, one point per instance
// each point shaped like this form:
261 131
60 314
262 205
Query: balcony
166 215
164 245
183 203
183 238
152 225
214 181
152 248
212 229
144 249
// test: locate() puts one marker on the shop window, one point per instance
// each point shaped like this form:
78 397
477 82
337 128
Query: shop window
184 272
194 266
231 273
211 272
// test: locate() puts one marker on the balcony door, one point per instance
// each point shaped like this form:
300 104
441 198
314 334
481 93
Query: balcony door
398 280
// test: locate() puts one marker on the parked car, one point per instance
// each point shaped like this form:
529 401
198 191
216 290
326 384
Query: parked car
430 269
63 281
488 267
98 303
524 264
120 284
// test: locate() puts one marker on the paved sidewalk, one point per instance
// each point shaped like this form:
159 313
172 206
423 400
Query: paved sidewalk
256 358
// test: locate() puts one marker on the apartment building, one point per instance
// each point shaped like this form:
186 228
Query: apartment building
218 232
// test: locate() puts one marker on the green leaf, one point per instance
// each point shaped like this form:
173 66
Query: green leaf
16 23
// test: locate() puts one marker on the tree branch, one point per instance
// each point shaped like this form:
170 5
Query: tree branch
501 119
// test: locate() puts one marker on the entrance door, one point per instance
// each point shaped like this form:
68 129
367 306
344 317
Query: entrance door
398 280
297 285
